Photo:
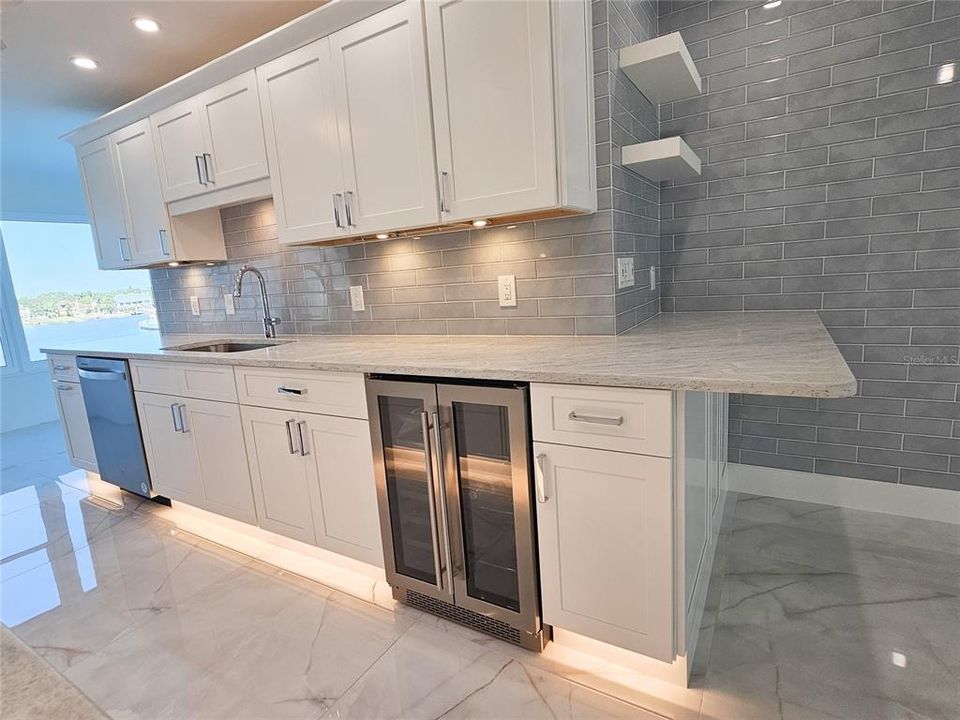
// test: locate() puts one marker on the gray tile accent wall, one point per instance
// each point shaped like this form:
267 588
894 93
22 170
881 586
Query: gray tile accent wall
830 140
446 283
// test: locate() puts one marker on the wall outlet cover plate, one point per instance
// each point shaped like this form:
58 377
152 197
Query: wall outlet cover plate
356 298
507 290
624 272
195 305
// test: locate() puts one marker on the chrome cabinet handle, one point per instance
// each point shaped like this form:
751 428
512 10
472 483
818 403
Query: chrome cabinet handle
595 419
197 159
62 386
207 164
294 450
61 368
431 497
176 418
443 192
346 204
123 254
183 419
336 209
538 476
304 450
443 484
284 390
162 237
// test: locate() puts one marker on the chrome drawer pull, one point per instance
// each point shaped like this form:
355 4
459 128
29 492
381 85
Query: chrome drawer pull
64 387
61 368
283 390
595 419
291 424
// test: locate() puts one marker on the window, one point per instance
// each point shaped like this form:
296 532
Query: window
62 297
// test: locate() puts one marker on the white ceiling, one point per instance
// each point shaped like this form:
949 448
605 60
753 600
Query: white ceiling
42 95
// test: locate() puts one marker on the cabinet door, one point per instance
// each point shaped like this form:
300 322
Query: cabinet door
104 203
76 428
340 464
171 453
148 237
233 132
383 114
492 89
606 533
178 143
300 125
286 499
217 434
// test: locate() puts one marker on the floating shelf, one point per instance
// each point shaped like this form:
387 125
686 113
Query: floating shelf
662 69
667 159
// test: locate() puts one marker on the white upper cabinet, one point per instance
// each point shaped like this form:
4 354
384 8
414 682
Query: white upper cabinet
383 119
148 239
212 141
104 205
491 77
299 120
232 133
179 147
512 105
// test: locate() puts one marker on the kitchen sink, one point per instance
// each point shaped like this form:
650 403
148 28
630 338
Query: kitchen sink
226 347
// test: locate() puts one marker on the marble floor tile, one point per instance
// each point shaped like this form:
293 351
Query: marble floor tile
821 613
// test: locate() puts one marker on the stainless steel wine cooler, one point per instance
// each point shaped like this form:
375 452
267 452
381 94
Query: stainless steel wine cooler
454 491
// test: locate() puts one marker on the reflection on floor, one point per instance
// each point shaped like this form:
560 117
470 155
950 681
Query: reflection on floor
824 613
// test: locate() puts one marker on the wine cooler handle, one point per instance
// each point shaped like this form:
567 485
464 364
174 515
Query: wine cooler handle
431 496
438 448
538 476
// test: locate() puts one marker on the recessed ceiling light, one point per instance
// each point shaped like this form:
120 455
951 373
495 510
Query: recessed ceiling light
382 236
146 24
481 223
771 5
84 62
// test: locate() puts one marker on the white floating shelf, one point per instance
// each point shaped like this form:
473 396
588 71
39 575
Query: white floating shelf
662 69
667 159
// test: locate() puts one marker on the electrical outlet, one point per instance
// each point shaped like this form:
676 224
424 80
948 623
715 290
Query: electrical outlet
507 289
228 304
624 273
653 277
195 305
356 297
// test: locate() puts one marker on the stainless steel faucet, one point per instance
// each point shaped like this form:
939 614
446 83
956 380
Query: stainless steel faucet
269 323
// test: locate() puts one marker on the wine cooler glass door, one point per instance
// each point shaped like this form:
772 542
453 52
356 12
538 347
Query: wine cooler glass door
483 438
408 491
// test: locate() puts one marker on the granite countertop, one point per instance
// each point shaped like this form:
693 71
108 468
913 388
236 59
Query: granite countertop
763 353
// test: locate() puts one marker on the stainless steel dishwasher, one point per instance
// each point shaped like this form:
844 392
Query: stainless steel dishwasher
112 412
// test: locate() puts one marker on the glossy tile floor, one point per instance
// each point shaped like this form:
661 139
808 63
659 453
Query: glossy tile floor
823 613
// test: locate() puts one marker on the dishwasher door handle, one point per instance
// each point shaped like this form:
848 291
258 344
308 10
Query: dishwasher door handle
101 374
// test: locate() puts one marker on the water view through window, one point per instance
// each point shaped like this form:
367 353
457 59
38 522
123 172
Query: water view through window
63 297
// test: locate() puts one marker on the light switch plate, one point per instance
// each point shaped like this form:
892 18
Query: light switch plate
356 297
653 277
195 305
228 304
507 290
624 272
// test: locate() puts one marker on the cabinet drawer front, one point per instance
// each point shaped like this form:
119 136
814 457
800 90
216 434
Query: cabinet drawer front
625 420
63 367
327 393
207 382
605 529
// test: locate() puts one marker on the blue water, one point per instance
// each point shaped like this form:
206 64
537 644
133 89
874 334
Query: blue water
39 336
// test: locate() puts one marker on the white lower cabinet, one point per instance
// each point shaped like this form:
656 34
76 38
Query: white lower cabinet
286 500
195 453
76 428
605 528
313 479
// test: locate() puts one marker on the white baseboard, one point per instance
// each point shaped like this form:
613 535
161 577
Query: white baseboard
890 498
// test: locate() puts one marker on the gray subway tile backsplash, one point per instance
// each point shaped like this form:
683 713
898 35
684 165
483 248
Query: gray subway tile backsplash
857 216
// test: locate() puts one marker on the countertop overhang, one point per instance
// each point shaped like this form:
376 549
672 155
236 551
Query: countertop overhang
761 353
